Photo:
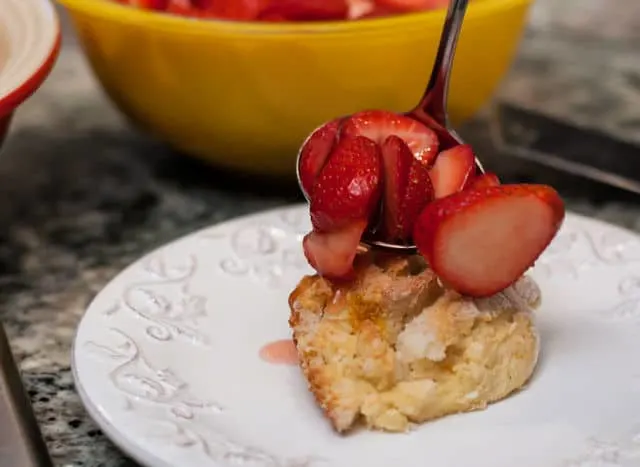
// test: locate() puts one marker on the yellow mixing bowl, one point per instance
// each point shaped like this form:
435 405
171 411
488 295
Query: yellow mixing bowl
245 95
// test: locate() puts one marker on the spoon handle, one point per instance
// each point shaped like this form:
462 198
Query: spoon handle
434 101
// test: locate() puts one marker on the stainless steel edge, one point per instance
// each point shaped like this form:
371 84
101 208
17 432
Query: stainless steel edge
21 443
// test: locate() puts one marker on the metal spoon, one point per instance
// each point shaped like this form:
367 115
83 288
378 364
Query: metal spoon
432 108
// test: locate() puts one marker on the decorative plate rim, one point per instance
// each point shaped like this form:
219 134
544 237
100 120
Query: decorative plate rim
133 449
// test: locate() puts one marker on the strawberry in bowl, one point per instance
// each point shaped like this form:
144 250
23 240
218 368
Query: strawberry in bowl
286 10
29 46
381 175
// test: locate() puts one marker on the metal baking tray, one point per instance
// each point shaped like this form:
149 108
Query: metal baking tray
21 443
565 147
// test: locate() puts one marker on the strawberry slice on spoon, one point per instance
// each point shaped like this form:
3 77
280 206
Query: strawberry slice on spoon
349 185
480 241
419 193
396 161
315 152
407 189
484 180
345 195
377 125
332 253
452 169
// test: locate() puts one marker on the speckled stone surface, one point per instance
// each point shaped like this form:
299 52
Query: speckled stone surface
579 61
83 194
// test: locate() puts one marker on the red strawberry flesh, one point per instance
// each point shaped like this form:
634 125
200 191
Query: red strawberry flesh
484 180
482 240
397 160
238 10
315 152
272 17
286 10
332 254
452 169
407 189
360 8
413 5
150 4
308 10
184 8
379 11
377 125
348 188
418 194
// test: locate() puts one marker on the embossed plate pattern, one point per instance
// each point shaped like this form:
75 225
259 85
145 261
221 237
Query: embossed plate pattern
166 359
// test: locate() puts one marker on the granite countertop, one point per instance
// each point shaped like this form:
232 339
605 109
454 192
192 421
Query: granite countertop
85 194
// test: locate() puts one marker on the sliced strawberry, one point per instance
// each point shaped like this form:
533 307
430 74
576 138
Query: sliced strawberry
314 153
272 17
452 169
419 193
480 241
380 12
407 189
183 8
150 4
203 4
237 10
484 180
397 160
378 124
413 5
308 10
360 8
349 186
332 254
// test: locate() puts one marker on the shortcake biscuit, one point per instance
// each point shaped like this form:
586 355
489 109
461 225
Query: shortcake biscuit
394 347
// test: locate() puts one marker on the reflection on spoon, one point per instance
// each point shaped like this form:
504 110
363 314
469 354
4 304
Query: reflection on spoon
282 352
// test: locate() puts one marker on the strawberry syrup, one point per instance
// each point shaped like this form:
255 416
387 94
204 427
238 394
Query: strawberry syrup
282 352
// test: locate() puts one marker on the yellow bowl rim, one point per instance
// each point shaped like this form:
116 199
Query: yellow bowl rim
127 14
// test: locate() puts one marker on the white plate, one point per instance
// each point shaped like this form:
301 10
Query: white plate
166 360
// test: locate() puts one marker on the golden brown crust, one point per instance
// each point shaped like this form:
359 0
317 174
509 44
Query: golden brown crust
394 348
